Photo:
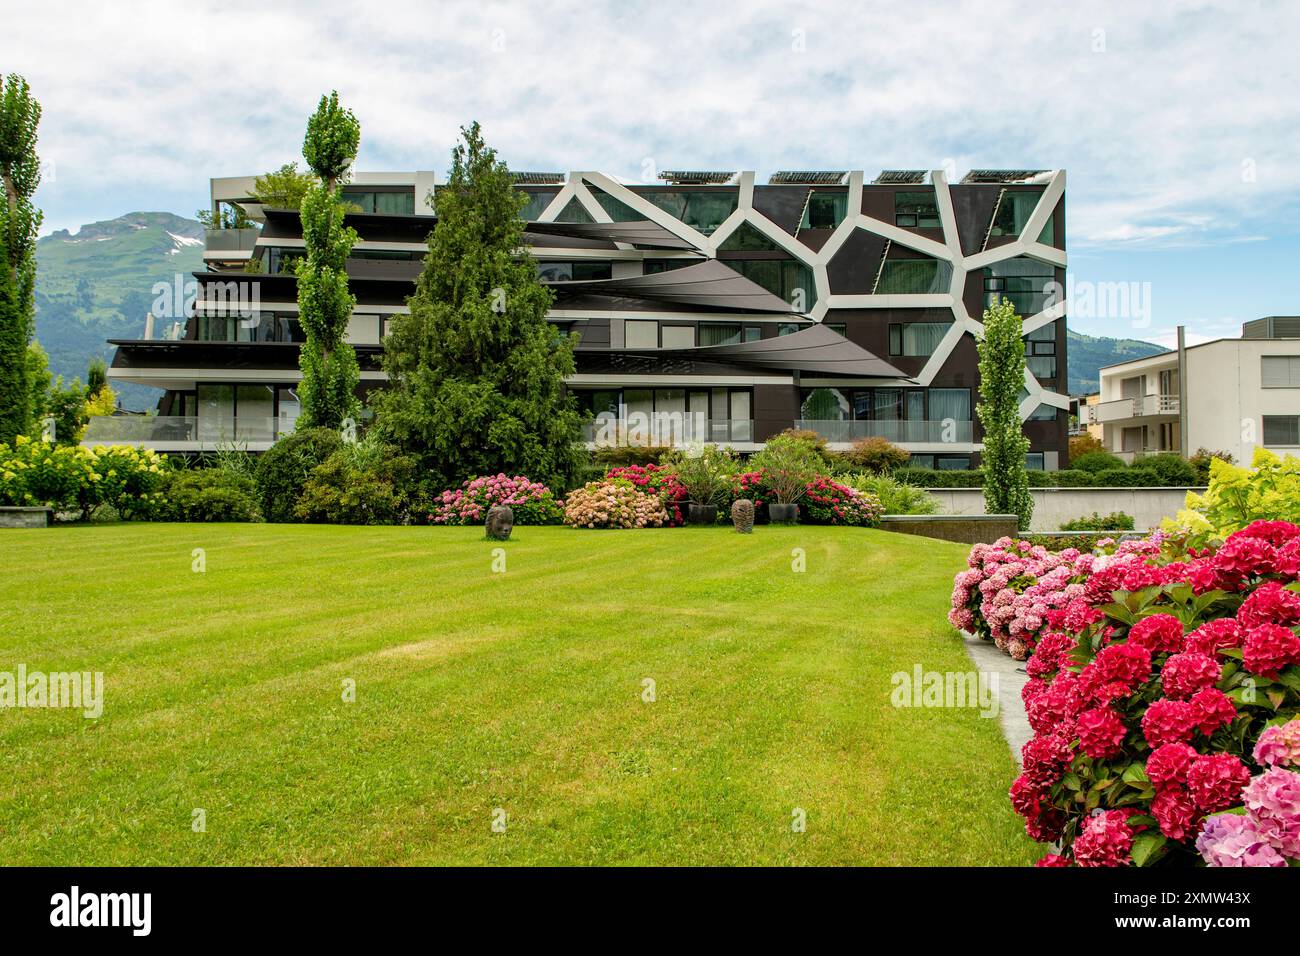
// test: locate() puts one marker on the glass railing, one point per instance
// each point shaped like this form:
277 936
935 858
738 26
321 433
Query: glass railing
230 240
668 429
947 431
162 430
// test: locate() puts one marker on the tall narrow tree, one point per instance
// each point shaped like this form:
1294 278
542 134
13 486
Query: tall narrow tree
329 365
1002 376
476 373
20 221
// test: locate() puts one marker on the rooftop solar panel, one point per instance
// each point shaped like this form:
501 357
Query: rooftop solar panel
538 179
696 177
823 177
1001 175
900 177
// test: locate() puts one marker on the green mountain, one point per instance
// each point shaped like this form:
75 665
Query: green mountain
97 284
1088 353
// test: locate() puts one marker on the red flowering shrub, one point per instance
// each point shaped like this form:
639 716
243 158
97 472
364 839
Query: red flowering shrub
657 480
1157 698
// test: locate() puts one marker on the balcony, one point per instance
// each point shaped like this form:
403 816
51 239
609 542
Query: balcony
186 432
1144 406
226 241
949 431
668 429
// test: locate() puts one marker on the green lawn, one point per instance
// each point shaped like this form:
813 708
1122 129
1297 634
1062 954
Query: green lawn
478 690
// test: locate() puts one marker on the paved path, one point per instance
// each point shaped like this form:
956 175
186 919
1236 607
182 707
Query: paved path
1011 678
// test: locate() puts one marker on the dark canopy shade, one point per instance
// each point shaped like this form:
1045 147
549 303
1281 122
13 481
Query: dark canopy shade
641 232
814 349
709 284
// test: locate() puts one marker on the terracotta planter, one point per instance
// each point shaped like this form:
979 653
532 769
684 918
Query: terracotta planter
782 514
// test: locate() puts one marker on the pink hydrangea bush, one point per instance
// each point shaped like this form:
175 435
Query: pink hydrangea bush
828 502
1155 697
531 501
657 480
613 503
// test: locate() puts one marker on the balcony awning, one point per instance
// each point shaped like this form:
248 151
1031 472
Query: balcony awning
710 284
815 349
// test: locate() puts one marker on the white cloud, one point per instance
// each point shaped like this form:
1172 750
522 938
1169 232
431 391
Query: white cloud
1182 131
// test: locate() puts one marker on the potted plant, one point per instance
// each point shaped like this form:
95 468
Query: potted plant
787 464
707 475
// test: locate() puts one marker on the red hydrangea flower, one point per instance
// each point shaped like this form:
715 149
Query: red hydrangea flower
1054 709
1168 765
1044 759
1214 709
1288 558
1176 813
1159 632
1170 722
1049 654
1026 798
1047 826
1032 689
1116 671
1269 648
1212 636
1184 674
1215 781
1101 733
1276 533
1269 604
1053 859
1105 840
1204 576
1246 556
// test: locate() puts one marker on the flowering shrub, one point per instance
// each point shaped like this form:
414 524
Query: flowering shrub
531 501
1237 496
71 478
657 480
1156 694
613 503
829 502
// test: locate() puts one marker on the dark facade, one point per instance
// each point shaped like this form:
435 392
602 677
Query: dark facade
709 308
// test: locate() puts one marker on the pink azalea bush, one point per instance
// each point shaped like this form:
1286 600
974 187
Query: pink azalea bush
531 501
1155 695
614 503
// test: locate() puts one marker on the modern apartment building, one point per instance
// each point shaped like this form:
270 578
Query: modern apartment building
1228 395
708 307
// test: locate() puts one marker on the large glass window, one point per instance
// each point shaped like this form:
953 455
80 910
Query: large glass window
825 209
914 277
387 201
617 210
701 209
1027 282
825 405
1040 352
579 271
1013 212
787 279
280 259
574 212
912 209
719 333
747 238
949 403
916 338
537 203
655 266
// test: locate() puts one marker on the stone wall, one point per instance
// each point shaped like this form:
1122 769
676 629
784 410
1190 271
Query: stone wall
11 517
965 529
1054 506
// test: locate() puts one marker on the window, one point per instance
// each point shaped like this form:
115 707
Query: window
921 461
701 209
388 255
640 335
617 210
574 212
788 328
913 277
839 328
787 279
719 333
280 260
952 462
825 209
1027 282
678 336
1282 430
580 271
747 238
1034 461
656 266
753 333
1043 413
537 203
1280 371
1013 212
390 202
949 403
916 338
824 405
1040 351
913 209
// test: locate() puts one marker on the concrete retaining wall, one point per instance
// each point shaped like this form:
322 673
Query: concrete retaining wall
11 517
1055 506
966 529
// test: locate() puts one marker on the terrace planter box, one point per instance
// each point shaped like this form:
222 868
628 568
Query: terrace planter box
16 517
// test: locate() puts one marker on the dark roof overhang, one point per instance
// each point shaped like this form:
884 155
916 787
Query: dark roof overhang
710 283
642 233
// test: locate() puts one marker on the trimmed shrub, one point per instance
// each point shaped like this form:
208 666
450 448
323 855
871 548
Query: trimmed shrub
617 456
1096 461
814 440
933 478
209 494
875 455
284 469
1115 521
1173 470
1127 478
365 482
77 480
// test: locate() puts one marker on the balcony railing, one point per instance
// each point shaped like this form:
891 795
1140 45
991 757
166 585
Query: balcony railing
163 431
1139 407
230 240
948 431
668 429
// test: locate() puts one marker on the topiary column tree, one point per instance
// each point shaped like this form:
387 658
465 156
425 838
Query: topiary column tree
1002 376
330 373
476 373
20 221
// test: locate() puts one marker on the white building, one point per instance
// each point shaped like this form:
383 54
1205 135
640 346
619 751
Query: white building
1228 395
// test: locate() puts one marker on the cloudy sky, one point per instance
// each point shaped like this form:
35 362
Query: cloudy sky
1178 123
